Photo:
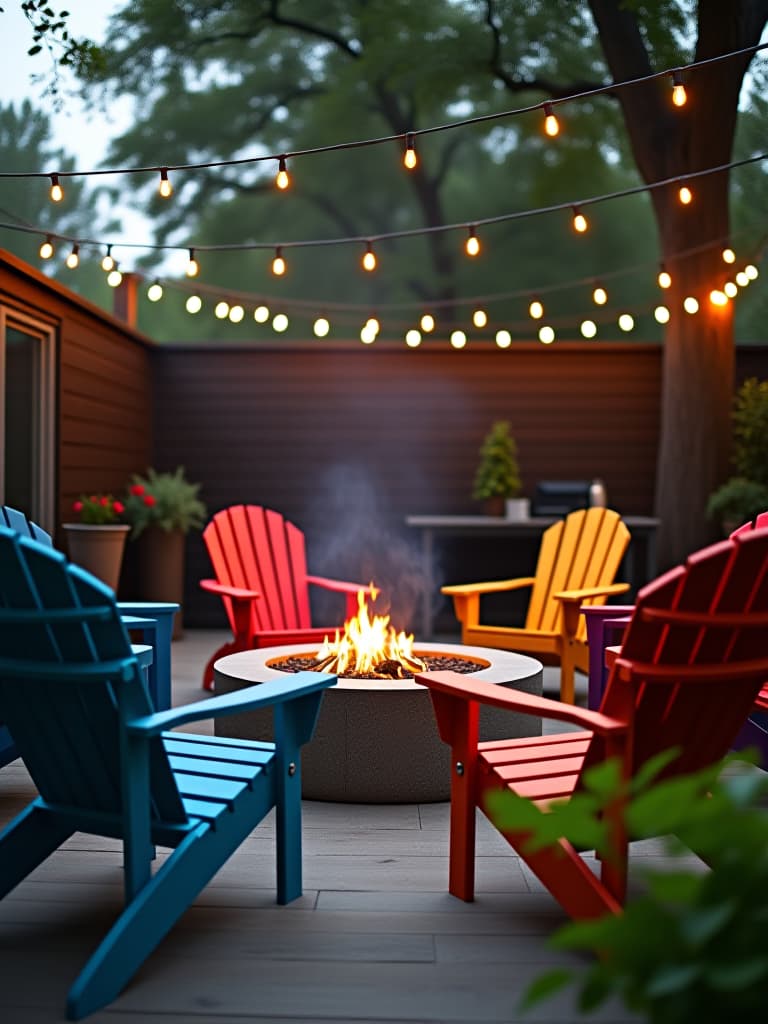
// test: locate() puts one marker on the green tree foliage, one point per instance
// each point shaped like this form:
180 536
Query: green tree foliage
498 473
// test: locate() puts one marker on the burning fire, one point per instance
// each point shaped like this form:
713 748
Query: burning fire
369 646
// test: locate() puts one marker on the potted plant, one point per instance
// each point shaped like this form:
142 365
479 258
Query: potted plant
497 480
162 508
745 495
97 540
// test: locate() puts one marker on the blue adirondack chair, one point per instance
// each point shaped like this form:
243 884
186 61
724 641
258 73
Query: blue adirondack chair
104 763
153 621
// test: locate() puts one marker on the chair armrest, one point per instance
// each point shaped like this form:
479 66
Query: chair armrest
274 692
495 586
454 684
224 590
339 585
587 592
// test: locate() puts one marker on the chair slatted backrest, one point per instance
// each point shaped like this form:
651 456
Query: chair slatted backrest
583 550
18 521
67 673
698 647
256 548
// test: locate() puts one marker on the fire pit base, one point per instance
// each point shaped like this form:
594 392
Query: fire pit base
376 740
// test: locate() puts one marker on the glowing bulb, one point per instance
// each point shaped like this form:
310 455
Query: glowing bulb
283 178
546 335
626 322
458 339
278 263
729 256
536 310
193 268
321 327
551 124
261 314
57 192
73 260
413 338
369 258
193 304
730 289
600 296
664 278
661 314
479 318
367 335
280 323
741 279
236 314
221 310
685 195
503 339
580 222
588 328
679 95
114 278
718 298
155 292
427 323
373 325
409 157
108 263
690 304
46 248
472 244
751 271
165 188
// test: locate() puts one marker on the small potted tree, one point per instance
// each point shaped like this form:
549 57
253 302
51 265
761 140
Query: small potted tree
497 480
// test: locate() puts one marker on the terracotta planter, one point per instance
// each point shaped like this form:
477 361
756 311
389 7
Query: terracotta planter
494 506
161 569
99 549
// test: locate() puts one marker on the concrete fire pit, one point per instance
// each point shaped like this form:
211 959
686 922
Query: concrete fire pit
376 740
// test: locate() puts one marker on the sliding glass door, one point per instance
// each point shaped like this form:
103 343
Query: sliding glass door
27 416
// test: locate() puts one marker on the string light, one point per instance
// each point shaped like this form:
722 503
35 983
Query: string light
741 279
280 323
321 327
236 314
503 339
114 278
73 260
588 328
718 298
546 335
679 95
367 334
599 295
412 338
221 310
685 195
458 339
57 192
193 267
261 314
751 271
155 291
472 244
427 323
691 304
409 157
283 179
730 289
165 188
479 318
661 314
46 248
664 278
536 310
278 263
551 123
369 258
108 263
373 325
193 304
580 222
729 256
626 322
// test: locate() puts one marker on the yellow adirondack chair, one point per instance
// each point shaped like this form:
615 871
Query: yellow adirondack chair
578 561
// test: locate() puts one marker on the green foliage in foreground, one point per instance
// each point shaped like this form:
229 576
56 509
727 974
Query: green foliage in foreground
693 946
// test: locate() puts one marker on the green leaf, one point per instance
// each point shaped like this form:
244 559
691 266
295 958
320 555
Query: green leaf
672 978
733 977
703 924
545 985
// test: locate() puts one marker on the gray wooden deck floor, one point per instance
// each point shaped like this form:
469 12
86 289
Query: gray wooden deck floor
375 938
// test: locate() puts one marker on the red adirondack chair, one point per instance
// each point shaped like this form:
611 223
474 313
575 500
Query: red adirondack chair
694 658
261 576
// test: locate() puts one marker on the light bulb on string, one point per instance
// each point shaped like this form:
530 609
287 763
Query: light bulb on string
193 267
691 304
685 195
367 334
458 339
427 323
599 295
236 313
730 289
114 277
472 244
73 260
278 263
479 318
108 262
57 192
751 271
409 157
551 123
261 314
46 248
221 310
664 278
503 339
412 338
155 291
626 322
536 310
193 304
280 323
165 188
729 256
661 315
679 95
741 279
588 328
373 325
580 222
283 179
718 298
369 258
546 334
321 327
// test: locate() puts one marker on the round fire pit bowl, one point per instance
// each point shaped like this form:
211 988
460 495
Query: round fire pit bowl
376 740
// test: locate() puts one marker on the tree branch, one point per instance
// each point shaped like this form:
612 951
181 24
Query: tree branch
337 40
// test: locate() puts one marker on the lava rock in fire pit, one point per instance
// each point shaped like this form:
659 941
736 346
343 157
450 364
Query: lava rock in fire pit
433 662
